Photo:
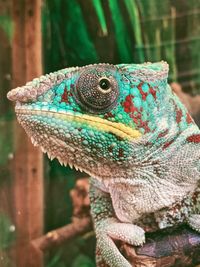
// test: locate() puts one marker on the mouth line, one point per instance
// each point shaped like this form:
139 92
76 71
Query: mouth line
104 125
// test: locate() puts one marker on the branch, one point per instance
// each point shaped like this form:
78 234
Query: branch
180 247
81 221
63 234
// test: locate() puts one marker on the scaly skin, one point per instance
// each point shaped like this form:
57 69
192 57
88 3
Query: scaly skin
125 127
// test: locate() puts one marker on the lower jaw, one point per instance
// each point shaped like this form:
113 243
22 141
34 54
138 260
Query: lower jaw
47 141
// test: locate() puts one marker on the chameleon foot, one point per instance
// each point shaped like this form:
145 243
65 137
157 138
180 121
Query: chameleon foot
109 230
194 222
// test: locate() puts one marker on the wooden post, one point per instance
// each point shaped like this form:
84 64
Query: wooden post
28 166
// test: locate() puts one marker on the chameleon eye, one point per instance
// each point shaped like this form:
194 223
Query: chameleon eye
104 85
96 89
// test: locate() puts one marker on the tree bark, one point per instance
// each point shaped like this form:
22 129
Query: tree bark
27 166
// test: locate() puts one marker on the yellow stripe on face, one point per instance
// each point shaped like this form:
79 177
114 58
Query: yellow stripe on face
116 128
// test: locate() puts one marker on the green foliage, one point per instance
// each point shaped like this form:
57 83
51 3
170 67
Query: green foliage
55 261
6 146
6 24
58 183
7 235
133 12
76 253
65 29
83 261
100 14
121 33
82 32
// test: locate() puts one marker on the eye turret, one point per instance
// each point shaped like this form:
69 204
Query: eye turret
96 89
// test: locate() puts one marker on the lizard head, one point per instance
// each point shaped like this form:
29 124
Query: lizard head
91 117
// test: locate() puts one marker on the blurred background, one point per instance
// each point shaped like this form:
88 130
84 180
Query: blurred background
43 36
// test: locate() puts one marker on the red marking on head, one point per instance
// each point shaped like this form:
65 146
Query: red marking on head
143 94
121 152
137 118
134 113
108 115
162 134
65 96
179 115
195 138
153 92
128 104
189 118
144 125
167 144
129 98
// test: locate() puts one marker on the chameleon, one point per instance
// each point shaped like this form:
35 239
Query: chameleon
124 126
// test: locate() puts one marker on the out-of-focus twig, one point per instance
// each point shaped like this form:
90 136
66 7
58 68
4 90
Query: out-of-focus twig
63 234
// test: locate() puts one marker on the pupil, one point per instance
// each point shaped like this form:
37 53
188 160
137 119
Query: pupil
104 84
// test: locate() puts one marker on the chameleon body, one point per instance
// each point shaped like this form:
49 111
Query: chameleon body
123 126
